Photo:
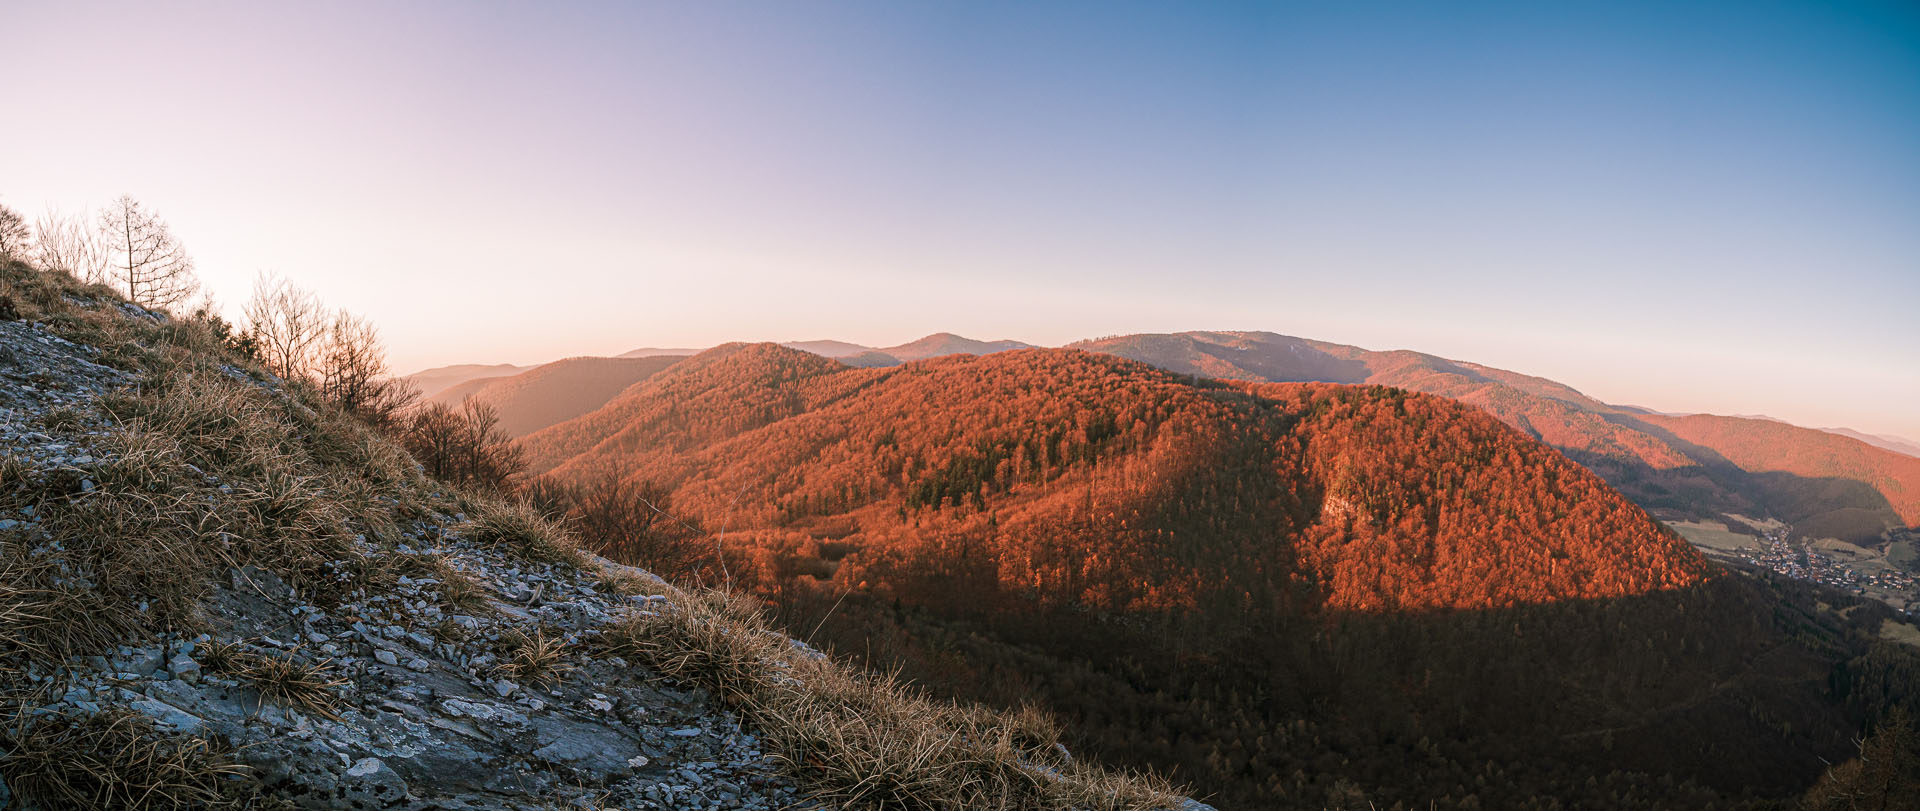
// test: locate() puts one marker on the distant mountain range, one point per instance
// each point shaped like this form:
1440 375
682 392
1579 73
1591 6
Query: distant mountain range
1836 483
654 352
555 392
1896 444
440 378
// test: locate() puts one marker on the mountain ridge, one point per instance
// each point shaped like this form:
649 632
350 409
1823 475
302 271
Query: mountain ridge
1626 445
1347 561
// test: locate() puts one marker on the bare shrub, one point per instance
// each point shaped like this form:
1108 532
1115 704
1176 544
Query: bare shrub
462 446
15 236
70 244
625 520
287 324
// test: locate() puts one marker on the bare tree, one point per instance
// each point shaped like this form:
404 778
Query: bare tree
70 244
463 446
353 371
14 235
145 256
287 324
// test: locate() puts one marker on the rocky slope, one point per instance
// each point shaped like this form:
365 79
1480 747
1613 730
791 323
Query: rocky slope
214 593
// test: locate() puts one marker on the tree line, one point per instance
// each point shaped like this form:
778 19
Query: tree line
125 245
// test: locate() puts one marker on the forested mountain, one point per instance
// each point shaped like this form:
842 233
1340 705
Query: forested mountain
1820 482
1305 595
1056 456
554 392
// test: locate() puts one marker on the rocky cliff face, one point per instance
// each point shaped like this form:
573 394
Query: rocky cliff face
214 595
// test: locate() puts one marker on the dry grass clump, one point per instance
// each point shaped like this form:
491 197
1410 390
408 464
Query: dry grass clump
711 638
858 740
276 507
624 582
117 760
222 423
283 679
220 657
524 532
460 592
106 563
290 682
61 418
535 657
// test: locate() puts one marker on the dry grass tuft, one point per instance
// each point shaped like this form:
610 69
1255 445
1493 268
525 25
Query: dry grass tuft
712 638
220 657
523 531
534 657
291 682
283 679
460 592
117 760
864 741
62 417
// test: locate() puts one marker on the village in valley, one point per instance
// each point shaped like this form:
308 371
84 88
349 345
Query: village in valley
1889 572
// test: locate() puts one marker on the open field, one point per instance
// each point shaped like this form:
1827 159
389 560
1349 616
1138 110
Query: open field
1759 524
1843 550
1904 554
1713 535
1900 632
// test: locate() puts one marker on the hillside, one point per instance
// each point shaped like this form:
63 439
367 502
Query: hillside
1275 589
218 590
1803 479
1017 439
1804 454
1896 444
555 392
433 381
947 343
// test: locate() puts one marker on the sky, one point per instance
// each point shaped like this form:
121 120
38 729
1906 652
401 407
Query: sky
1687 206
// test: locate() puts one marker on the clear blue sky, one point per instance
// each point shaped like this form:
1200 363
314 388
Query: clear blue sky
1688 206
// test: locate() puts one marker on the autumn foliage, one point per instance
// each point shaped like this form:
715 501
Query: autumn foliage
1702 466
1055 477
1300 595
